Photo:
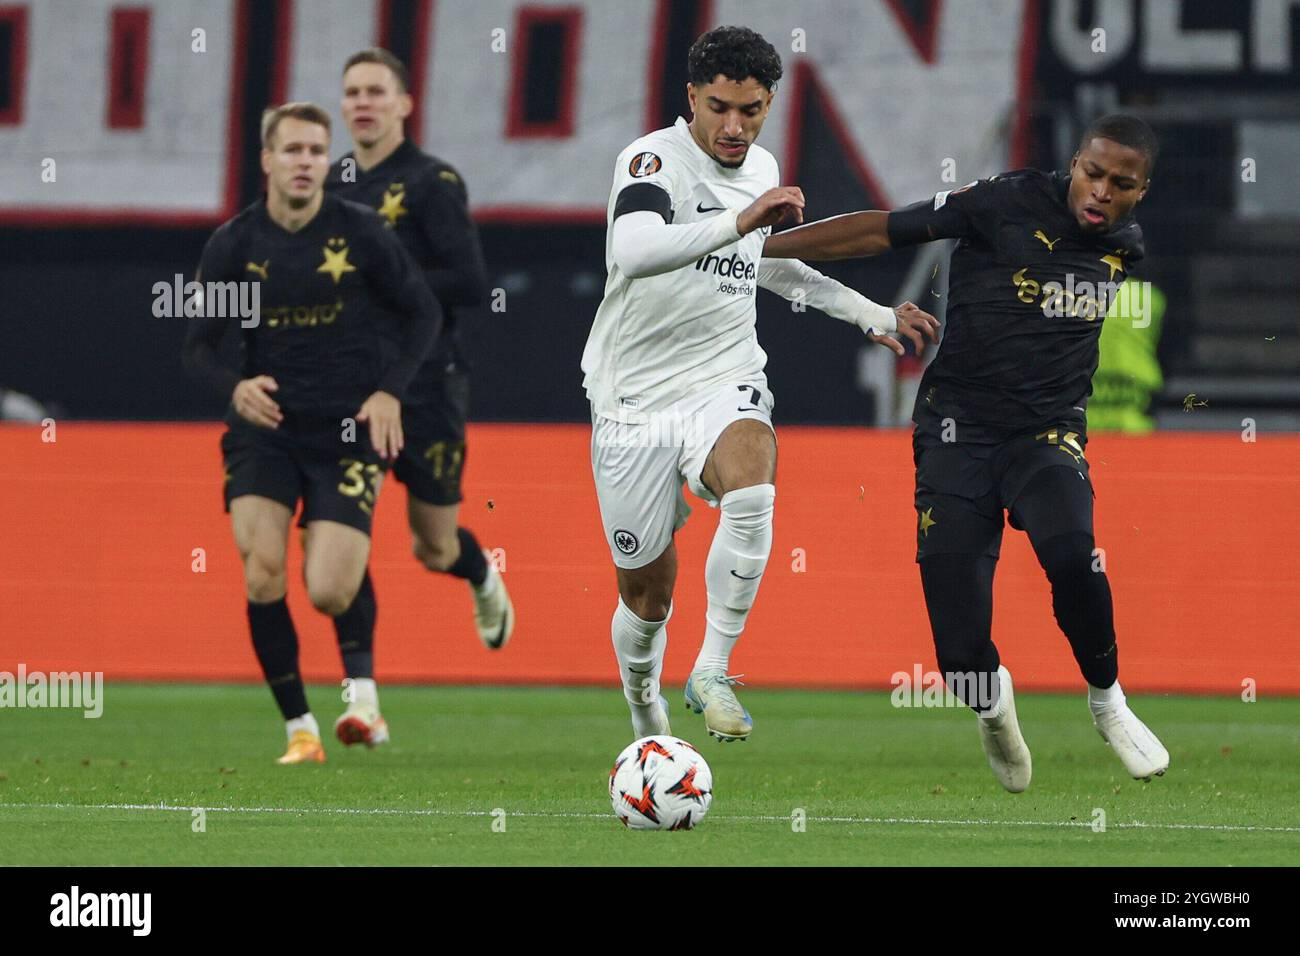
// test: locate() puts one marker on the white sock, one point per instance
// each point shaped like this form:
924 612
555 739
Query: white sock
305 722
1107 698
365 693
639 646
741 546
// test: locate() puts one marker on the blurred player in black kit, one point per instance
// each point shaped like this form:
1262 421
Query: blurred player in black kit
313 367
1000 416
423 201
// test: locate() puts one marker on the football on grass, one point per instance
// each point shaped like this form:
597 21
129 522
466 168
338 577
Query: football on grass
660 783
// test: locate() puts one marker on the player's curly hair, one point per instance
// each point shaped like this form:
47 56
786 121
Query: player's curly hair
1127 130
737 53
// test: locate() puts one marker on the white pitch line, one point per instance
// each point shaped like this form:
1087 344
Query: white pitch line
414 812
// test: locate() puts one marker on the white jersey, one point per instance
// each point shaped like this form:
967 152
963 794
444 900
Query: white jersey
657 339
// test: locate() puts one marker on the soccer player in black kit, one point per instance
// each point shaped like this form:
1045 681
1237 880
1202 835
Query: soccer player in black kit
1000 416
423 201
313 371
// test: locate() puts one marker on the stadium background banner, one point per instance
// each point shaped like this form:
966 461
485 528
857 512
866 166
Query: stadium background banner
129 130
120 560
152 144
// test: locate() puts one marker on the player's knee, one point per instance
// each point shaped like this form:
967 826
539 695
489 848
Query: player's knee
1070 558
647 598
264 576
330 597
748 511
650 607
436 554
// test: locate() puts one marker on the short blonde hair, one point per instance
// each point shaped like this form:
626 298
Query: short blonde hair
308 112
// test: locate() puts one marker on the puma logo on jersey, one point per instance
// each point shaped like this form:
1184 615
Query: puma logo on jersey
258 270
1042 236
644 164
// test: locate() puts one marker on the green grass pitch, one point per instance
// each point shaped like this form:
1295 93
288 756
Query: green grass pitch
878 785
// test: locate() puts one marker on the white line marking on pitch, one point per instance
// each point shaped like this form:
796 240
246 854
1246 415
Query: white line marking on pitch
415 812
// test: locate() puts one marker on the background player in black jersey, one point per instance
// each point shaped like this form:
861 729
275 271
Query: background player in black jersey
312 369
1000 416
423 200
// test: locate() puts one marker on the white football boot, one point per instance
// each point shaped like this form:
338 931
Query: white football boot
494 614
709 693
1141 752
361 724
1003 745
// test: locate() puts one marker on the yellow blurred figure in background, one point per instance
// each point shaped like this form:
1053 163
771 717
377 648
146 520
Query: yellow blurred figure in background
1128 372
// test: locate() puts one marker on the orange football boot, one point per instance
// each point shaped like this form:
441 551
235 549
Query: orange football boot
304 747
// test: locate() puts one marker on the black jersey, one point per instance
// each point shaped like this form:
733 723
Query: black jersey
323 290
424 201
1028 290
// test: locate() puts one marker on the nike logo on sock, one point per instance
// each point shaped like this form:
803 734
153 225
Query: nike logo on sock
750 578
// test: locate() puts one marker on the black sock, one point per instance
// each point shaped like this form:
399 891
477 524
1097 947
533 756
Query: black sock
355 629
471 565
959 598
276 644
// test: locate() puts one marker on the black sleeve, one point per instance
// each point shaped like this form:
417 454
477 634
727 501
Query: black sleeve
458 275
200 354
395 280
644 197
955 214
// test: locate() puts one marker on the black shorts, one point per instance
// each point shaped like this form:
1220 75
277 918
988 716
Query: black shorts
307 459
962 489
433 453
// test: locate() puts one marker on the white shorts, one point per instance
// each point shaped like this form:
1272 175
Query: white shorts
639 469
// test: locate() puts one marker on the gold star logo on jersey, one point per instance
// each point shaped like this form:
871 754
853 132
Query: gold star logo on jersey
1042 237
258 270
927 522
392 208
336 259
1115 262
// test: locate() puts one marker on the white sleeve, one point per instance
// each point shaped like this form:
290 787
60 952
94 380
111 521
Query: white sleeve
795 280
644 245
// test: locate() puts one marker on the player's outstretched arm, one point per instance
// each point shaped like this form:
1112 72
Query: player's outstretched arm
951 214
798 282
850 236
645 244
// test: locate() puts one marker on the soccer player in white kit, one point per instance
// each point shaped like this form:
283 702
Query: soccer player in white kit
674 371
